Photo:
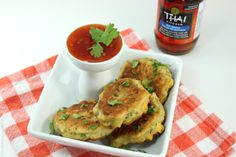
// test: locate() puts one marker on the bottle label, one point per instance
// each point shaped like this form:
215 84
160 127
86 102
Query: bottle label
174 24
179 23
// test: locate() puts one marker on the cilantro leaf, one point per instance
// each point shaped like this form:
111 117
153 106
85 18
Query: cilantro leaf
105 37
77 116
156 64
83 105
126 83
64 117
97 50
85 122
96 34
109 34
150 89
113 102
152 109
51 127
146 85
94 127
61 109
83 135
134 63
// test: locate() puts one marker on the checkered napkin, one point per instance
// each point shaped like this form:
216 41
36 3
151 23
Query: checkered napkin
194 133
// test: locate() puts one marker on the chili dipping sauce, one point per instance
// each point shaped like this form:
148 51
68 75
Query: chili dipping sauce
79 44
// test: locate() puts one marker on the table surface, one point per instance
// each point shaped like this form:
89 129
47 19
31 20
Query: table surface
31 31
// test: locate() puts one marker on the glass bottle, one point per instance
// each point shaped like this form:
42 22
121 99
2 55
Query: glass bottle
178 23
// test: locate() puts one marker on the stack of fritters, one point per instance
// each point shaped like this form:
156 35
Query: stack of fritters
142 129
129 109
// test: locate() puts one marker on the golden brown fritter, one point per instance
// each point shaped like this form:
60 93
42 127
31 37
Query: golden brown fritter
78 122
155 76
143 129
121 102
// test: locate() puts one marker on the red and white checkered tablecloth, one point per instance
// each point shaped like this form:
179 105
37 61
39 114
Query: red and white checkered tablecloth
194 133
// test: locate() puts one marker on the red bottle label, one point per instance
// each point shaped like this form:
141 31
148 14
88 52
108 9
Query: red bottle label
177 23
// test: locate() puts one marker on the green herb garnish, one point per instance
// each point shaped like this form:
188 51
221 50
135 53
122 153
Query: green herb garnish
96 34
104 37
64 117
51 127
77 116
94 127
134 63
61 109
156 64
96 51
126 83
83 105
83 135
114 102
85 122
146 85
152 109
150 89
109 34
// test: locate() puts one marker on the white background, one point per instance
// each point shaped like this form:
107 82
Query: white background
31 31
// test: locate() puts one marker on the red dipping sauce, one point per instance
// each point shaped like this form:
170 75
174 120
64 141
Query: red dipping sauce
80 41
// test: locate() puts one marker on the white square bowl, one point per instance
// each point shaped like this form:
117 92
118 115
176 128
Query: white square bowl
59 91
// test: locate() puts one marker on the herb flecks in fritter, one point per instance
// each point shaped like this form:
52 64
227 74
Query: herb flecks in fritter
121 102
134 63
64 117
51 127
79 122
144 69
143 129
114 102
